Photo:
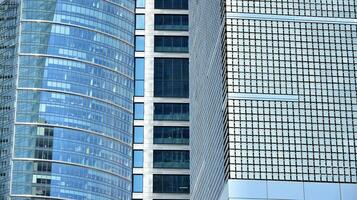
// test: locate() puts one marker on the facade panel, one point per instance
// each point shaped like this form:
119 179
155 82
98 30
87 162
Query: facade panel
290 93
71 127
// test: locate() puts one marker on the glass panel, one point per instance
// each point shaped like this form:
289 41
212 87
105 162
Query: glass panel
139 43
171 135
139 76
140 3
171 183
138 158
140 22
171 4
178 44
138 183
139 88
171 111
171 77
138 134
139 111
172 159
171 22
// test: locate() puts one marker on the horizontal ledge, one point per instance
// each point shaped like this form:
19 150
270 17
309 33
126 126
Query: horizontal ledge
72 164
291 18
266 97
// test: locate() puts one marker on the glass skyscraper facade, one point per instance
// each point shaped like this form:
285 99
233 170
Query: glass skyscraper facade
282 77
161 104
67 83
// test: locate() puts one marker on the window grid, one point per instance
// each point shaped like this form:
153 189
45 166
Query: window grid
311 139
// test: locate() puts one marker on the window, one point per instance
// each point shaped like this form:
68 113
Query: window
139 76
171 135
171 4
139 111
171 183
171 22
171 111
139 43
140 22
138 183
171 77
138 134
172 159
178 44
138 158
140 3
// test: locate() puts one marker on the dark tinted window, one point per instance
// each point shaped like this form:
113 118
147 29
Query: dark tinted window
171 22
171 77
171 183
172 159
171 4
177 44
171 111
171 135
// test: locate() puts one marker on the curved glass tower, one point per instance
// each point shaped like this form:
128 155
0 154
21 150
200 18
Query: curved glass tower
66 99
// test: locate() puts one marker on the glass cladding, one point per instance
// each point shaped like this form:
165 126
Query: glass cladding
174 44
171 77
171 183
295 82
171 4
171 22
171 135
313 8
73 131
9 19
138 183
171 111
294 118
174 159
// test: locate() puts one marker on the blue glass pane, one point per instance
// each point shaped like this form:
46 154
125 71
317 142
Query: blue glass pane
139 68
139 88
137 183
138 134
140 22
140 3
139 43
139 111
138 158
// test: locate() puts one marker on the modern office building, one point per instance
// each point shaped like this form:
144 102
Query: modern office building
66 92
161 104
273 99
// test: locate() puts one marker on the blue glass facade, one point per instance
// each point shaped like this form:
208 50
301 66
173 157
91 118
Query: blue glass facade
74 89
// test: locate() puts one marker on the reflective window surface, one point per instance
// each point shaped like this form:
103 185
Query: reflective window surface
174 44
139 111
138 183
171 4
171 111
74 99
138 134
139 76
171 135
171 22
139 43
140 22
171 183
171 77
171 159
138 158
140 3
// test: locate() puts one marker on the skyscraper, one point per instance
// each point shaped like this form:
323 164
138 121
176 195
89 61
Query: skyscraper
273 99
66 72
161 104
